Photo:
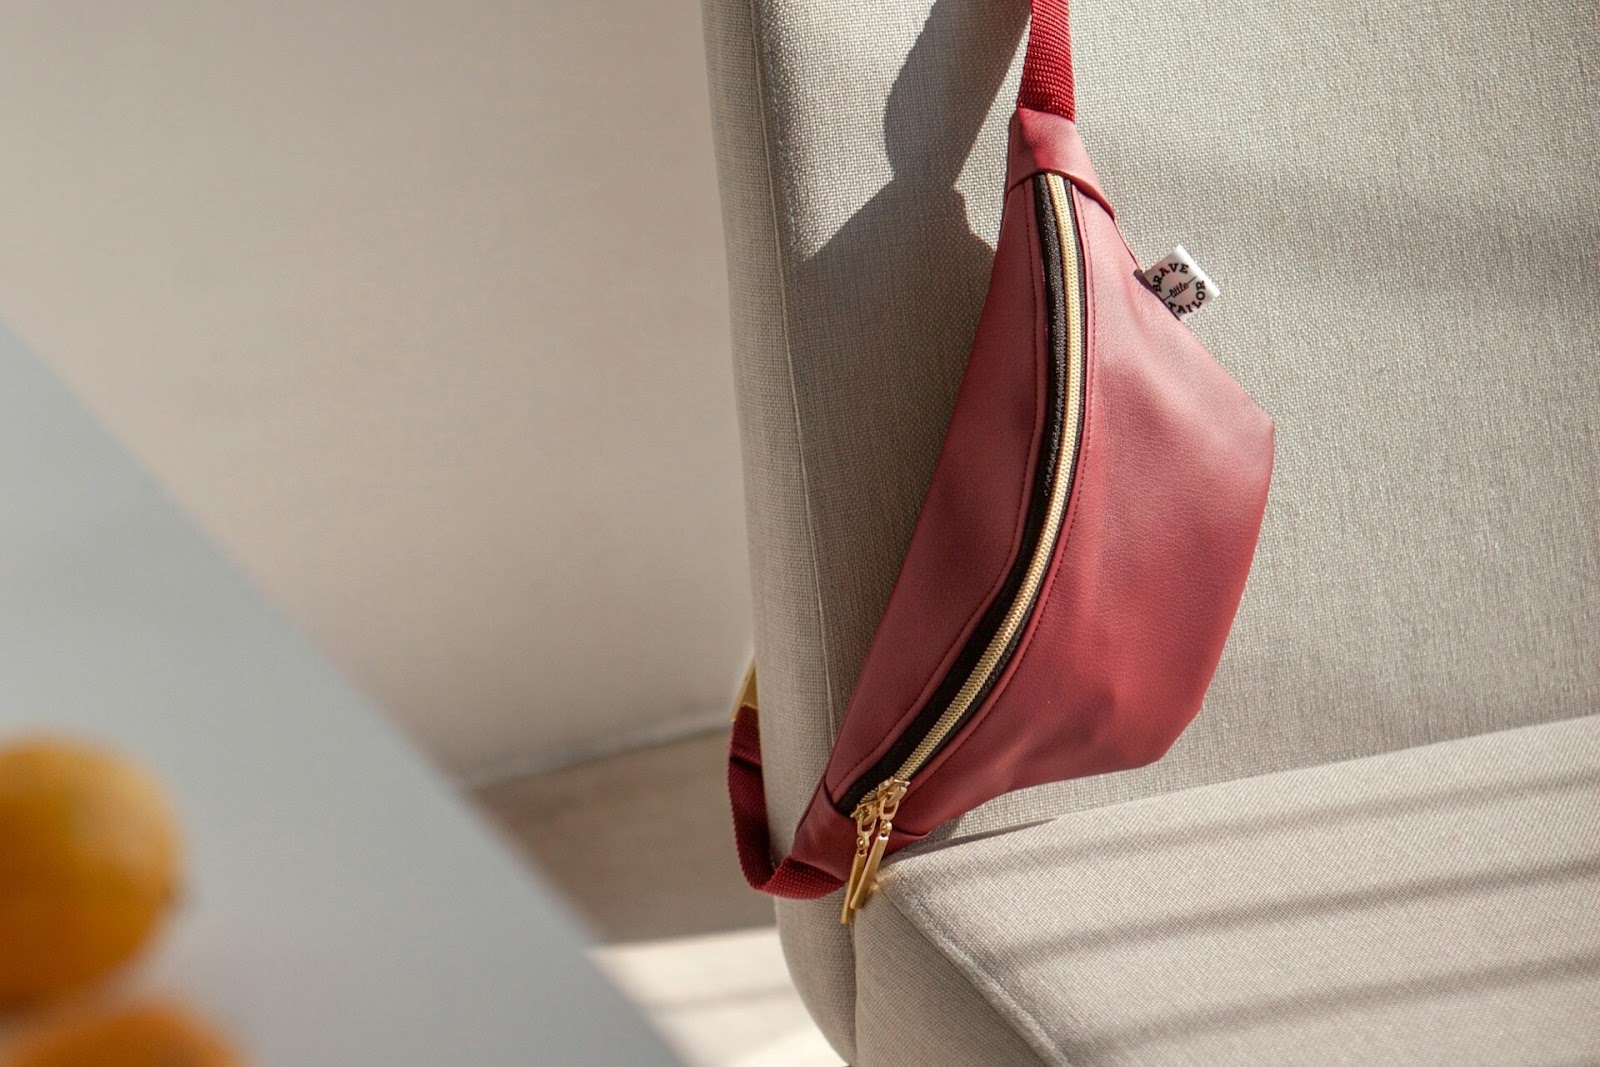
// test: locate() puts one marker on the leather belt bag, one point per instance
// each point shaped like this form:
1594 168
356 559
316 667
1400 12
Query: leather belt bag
1081 549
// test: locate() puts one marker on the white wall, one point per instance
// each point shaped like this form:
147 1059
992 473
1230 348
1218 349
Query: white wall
418 307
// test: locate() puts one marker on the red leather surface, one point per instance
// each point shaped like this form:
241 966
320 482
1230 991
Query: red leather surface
1171 488
1167 502
1041 141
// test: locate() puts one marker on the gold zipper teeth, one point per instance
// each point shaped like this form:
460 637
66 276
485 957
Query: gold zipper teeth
874 816
1060 489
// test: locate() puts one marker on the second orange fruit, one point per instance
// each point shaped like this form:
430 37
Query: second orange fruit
89 866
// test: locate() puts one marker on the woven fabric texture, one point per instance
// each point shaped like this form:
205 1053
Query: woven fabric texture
1430 906
1399 202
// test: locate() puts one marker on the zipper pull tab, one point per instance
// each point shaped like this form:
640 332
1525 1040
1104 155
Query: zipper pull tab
874 824
866 828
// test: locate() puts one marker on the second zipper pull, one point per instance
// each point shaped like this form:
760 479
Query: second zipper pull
874 825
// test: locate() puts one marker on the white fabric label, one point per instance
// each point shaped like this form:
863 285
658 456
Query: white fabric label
1180 283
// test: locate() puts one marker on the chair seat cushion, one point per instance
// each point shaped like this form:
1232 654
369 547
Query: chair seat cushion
1435 905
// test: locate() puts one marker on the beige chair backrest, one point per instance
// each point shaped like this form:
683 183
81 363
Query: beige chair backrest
1401 203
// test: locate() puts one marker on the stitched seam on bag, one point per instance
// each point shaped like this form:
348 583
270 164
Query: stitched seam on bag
1000 1002
763 102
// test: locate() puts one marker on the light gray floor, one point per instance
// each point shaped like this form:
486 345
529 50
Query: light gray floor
641 845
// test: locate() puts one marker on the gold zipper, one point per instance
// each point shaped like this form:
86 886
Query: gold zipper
875 814
874 823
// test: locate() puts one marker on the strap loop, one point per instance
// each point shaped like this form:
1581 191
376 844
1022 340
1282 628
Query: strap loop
791 878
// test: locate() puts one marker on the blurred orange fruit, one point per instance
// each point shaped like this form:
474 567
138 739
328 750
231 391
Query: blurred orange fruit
89 865
145 1035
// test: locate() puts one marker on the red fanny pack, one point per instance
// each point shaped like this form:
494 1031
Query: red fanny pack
1081 549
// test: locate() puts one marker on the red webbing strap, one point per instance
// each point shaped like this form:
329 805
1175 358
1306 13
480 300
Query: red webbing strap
1047 67
789 878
